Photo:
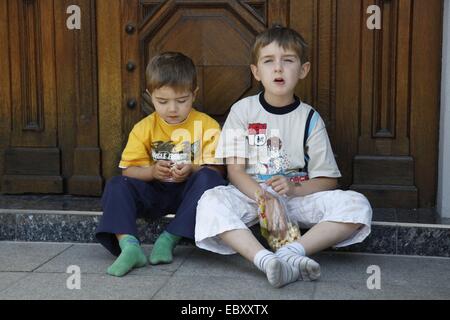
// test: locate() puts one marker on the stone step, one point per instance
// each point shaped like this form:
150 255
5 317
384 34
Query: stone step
397 238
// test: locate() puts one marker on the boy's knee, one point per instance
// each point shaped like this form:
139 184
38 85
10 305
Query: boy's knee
211 198
359 202
206 176
351 196
117 183
362 200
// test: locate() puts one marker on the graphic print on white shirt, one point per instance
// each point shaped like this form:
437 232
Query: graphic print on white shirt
270 158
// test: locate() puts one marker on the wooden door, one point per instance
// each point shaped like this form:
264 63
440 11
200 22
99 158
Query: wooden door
387 100
48 105
68 99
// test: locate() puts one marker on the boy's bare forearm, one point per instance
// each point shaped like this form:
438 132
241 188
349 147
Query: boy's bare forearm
315 185
244 182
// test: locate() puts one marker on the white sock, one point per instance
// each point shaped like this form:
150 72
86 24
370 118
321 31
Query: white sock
294 255
295 247
278 272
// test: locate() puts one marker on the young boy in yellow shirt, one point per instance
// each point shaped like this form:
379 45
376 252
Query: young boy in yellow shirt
168 163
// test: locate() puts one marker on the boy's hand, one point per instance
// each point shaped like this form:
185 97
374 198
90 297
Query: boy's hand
181 172
276 219
161 170
281 185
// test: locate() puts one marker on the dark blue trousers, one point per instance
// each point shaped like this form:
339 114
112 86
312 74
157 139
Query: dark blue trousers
126 199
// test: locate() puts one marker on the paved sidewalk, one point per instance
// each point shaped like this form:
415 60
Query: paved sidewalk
39 271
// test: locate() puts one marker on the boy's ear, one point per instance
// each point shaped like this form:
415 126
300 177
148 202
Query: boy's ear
195 93
255 72
304 70
149 94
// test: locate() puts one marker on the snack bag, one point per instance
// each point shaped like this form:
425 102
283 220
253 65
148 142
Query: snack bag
181 155
283 230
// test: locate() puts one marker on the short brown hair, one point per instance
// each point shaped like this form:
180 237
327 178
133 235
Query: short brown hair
172 69
286 38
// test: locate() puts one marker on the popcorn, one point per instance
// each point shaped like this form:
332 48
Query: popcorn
275 241
292 234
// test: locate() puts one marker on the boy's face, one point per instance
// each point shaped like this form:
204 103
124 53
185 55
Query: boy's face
279 70
171 105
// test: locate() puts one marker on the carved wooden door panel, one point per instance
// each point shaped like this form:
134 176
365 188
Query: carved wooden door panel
387 100
48 106
217 35
32 97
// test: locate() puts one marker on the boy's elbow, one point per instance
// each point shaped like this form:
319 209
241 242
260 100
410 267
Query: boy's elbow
325 183
126 172
234 169
333 183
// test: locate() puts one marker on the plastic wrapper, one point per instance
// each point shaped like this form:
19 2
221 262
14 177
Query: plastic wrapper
181 155
280 230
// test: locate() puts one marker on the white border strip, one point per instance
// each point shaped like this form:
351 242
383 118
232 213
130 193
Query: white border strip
443 197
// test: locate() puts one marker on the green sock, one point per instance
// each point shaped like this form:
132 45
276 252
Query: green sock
162 250
131 257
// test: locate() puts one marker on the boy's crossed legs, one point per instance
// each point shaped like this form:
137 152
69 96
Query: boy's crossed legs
289 263
224 214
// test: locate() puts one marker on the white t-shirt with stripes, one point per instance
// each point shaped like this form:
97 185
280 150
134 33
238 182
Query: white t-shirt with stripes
271 139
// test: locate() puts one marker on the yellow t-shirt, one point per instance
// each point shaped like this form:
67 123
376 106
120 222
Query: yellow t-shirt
152 139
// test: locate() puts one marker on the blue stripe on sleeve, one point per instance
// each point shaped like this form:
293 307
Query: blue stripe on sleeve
313 123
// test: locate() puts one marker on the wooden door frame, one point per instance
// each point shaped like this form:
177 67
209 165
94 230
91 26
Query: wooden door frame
5 86
109 31
426 62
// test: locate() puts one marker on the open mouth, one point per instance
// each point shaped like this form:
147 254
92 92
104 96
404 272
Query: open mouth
279 81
